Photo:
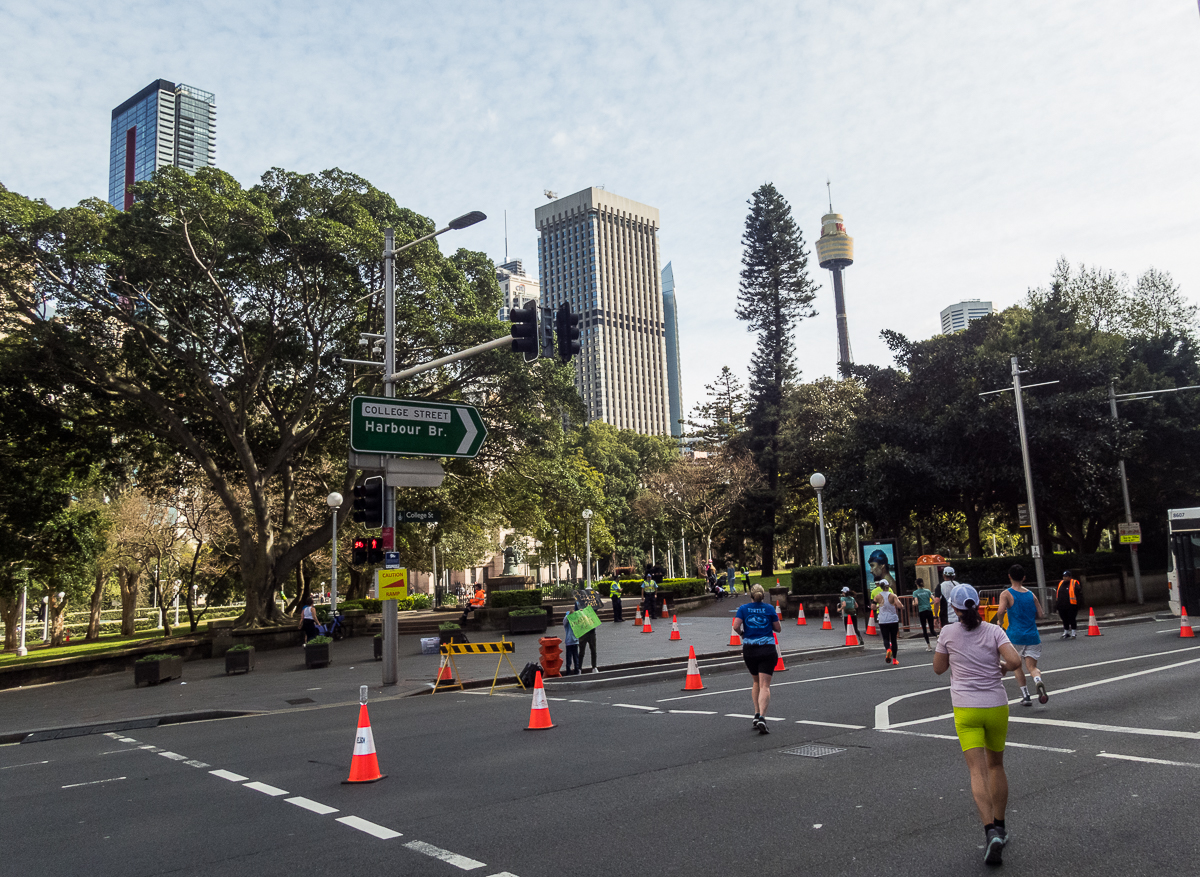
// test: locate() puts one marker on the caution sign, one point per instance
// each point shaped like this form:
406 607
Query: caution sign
449 650
1131 534
477 648
391 584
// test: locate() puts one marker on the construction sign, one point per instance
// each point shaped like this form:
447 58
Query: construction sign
391 584
449 650
1131 534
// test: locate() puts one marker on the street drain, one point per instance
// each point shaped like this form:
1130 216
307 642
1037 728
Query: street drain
301 700
813 750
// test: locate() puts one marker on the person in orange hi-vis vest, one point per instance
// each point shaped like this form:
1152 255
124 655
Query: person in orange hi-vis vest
1069 597
480 597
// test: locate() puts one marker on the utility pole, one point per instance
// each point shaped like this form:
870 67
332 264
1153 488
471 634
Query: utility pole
391 662
1133 549
1036 537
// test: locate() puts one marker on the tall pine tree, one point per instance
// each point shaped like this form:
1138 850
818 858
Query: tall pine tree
717 421
774 294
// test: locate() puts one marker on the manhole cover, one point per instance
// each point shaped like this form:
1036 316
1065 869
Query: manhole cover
813 750
300 700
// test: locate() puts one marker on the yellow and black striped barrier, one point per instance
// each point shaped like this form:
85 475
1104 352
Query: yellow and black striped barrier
449 650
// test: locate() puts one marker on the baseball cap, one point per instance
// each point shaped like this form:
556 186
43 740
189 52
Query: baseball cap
948 571
845 590
961 594
1066 573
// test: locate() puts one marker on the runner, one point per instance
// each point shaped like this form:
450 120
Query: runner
887 616
757 624
848 607
1023 610
924 599
978 654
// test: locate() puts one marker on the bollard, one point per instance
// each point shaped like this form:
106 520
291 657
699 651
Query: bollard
550 655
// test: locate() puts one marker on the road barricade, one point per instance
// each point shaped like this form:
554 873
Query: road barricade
502 648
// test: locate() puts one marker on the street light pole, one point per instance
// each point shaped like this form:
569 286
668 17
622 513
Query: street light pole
1133 549
21 650
557 579
46 619
334 500
1035 537
178 585
683 565
587 523
818 484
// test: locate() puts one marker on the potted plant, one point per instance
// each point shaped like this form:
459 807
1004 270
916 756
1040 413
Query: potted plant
527 619
379 647
449 632
316 651
153 669
239 659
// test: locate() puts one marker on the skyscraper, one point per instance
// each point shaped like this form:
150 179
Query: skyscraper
598 252
956 316
163 124
515 286
671 318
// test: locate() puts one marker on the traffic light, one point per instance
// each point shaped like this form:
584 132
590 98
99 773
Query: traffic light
368 503
547 326
525 330
359 556
374 550
567 325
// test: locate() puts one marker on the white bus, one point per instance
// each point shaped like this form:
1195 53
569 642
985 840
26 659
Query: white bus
1183 560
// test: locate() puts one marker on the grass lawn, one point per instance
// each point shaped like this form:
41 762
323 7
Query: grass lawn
40 652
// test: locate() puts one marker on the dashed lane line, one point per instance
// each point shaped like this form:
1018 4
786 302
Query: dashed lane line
830 724
445 855
191 762
1007 743
229 775
1115 729
369 827
174 756
26 764
742 716
312 806
265 789
634 706
693 712
775 685
93 783
1146 760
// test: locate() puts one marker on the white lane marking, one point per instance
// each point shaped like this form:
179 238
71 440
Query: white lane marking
503 874
115 751
1116 729
93 783
229 775
1007 743
445 855
775 685
693 712
634 706
830 724
314 806
882 719
579 701
265 789
174 756
126 740
26 764
548 697
113 734
369 827
194 763
744 716
1146 760
150 748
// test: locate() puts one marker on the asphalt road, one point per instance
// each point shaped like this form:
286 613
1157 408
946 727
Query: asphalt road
644 779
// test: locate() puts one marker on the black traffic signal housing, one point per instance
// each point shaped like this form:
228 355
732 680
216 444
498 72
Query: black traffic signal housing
359 556
567 325
374 550
547 327
525 330
368 502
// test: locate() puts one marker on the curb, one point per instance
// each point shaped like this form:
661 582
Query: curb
41 734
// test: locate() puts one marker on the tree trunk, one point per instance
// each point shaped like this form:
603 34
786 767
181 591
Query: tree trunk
10 610
975 546
93 631
128 581
58 613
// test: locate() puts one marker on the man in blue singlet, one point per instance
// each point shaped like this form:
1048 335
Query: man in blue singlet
1023 611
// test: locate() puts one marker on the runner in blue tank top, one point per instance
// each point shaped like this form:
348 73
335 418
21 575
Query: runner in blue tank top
1023 611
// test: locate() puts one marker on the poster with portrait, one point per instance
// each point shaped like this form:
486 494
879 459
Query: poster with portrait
880 560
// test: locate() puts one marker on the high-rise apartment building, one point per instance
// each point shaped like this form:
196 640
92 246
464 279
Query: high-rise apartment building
516 287
598 252
956 317
671 318
163 124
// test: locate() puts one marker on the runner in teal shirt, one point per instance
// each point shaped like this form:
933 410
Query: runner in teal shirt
924 598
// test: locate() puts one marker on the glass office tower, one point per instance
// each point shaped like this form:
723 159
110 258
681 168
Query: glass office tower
671 318
163 124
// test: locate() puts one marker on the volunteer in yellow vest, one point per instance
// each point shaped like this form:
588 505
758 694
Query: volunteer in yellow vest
614 594
648 591
1069 597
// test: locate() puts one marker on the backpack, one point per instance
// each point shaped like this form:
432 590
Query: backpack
528 673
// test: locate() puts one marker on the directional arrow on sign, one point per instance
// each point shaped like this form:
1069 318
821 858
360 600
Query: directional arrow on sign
414 428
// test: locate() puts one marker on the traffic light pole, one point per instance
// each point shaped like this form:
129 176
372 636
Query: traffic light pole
391 663
1035 534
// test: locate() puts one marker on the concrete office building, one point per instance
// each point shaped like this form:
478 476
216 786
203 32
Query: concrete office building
598 252
163 124
956 317
516 286
671 318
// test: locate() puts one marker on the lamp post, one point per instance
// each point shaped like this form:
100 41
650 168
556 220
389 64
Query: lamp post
587 523
46 619
557 580
334 500
818 484
433 575
178 585
21 650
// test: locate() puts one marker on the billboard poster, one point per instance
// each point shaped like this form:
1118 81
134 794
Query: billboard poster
880 560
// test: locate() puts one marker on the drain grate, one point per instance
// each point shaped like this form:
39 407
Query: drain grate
813 750
300 700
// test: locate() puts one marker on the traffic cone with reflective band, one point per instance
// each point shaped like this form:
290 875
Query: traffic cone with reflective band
664 614
851 636
1185 626
637 618
675 627
778 612
801 621
779 668
539 713
445 674
646 628
1093 627
735 640
871 631
364 766
693 683
826 624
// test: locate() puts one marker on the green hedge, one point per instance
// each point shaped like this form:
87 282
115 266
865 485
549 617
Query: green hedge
507 599
523 611
677 587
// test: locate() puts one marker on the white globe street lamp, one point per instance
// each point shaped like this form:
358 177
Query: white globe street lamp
818 484
334 501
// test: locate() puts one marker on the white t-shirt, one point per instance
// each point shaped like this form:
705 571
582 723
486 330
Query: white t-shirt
888 613
975 678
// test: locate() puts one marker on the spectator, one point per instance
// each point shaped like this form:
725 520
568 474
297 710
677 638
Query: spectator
571 643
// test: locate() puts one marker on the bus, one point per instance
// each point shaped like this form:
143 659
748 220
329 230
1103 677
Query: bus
1183 560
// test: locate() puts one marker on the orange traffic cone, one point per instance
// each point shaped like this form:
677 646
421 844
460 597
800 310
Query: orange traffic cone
778 612
693 683
1185 626
779 668
445 674
646 628
871 631
801 621
851 636
364 766
675 627
735 640
1093 627
664 614
826 624
637 618
539 713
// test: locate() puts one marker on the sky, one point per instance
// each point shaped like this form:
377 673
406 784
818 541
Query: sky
969 145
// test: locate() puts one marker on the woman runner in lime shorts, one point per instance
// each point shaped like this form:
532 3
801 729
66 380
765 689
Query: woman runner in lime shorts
979 654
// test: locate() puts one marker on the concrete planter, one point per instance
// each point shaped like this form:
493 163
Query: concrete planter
154 672
239 661
528 623
316 655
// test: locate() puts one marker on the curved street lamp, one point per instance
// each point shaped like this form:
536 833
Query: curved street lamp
818 484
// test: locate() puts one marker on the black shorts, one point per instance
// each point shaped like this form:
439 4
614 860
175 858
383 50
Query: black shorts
760 659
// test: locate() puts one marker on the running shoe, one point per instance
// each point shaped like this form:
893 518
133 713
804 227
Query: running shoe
1026 700
1003 834
761 725
1066 634
887 656
1041 690
928 647
1073 634
995 847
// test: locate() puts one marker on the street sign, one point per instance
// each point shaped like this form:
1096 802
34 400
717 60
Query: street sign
414 427
418 517
391 560
388 535
1022 515
391 584
1131 534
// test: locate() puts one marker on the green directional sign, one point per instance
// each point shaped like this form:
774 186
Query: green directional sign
414 428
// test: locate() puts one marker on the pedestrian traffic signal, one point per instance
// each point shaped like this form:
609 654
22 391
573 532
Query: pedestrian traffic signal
547 326
567 325
525 330
374 550
368 503
359 556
